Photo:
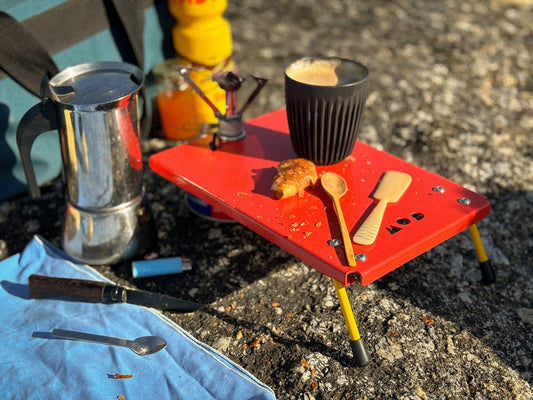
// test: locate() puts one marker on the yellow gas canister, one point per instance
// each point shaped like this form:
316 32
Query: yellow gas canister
202 41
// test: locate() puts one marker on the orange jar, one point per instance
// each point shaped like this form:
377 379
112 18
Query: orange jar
182 111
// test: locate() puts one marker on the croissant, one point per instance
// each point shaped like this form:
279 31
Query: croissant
293 177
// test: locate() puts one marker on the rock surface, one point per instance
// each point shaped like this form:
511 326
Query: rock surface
451 91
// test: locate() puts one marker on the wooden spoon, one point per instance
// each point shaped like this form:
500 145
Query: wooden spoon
392 187
335 186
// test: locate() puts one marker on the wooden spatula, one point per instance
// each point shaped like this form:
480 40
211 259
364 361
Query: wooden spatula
392 187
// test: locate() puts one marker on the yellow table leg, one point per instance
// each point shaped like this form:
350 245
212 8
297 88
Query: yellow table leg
359 349
487 272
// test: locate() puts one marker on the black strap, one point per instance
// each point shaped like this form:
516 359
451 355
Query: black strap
131 18
22 56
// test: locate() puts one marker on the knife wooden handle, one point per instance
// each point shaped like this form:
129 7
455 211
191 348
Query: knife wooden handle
78 289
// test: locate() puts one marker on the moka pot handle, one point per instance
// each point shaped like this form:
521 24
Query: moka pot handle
40 118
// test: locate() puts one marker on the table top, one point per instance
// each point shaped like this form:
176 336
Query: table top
237 178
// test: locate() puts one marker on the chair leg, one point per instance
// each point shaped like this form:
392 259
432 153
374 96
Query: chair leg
487 272
359 349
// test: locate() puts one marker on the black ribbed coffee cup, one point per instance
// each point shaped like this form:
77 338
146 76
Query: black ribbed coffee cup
324 117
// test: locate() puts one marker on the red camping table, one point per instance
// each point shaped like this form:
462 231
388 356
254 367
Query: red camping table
237 177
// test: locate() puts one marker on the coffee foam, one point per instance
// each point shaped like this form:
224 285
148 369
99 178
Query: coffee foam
314 72
330 72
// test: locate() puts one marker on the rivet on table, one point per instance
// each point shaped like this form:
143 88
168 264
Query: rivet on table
334 242
439 189
463 200
360 257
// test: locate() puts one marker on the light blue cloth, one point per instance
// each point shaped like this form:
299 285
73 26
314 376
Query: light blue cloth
35 366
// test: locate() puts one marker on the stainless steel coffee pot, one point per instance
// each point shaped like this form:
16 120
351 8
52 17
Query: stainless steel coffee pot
95 108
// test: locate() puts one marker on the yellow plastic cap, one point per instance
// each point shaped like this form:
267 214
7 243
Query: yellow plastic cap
202 35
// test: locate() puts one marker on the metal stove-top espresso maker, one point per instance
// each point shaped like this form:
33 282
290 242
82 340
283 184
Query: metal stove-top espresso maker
95 107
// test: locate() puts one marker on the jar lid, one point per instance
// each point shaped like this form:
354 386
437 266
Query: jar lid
168 69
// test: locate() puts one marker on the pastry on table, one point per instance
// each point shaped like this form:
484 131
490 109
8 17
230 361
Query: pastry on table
293 177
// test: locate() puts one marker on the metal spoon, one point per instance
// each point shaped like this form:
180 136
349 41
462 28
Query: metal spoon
335 186
143 345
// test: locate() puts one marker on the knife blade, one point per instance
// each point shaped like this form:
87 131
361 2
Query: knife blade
103 292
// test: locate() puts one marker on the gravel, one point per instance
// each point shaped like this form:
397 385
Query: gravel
451 91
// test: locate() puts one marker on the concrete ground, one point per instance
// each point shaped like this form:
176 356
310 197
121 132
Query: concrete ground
451 91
